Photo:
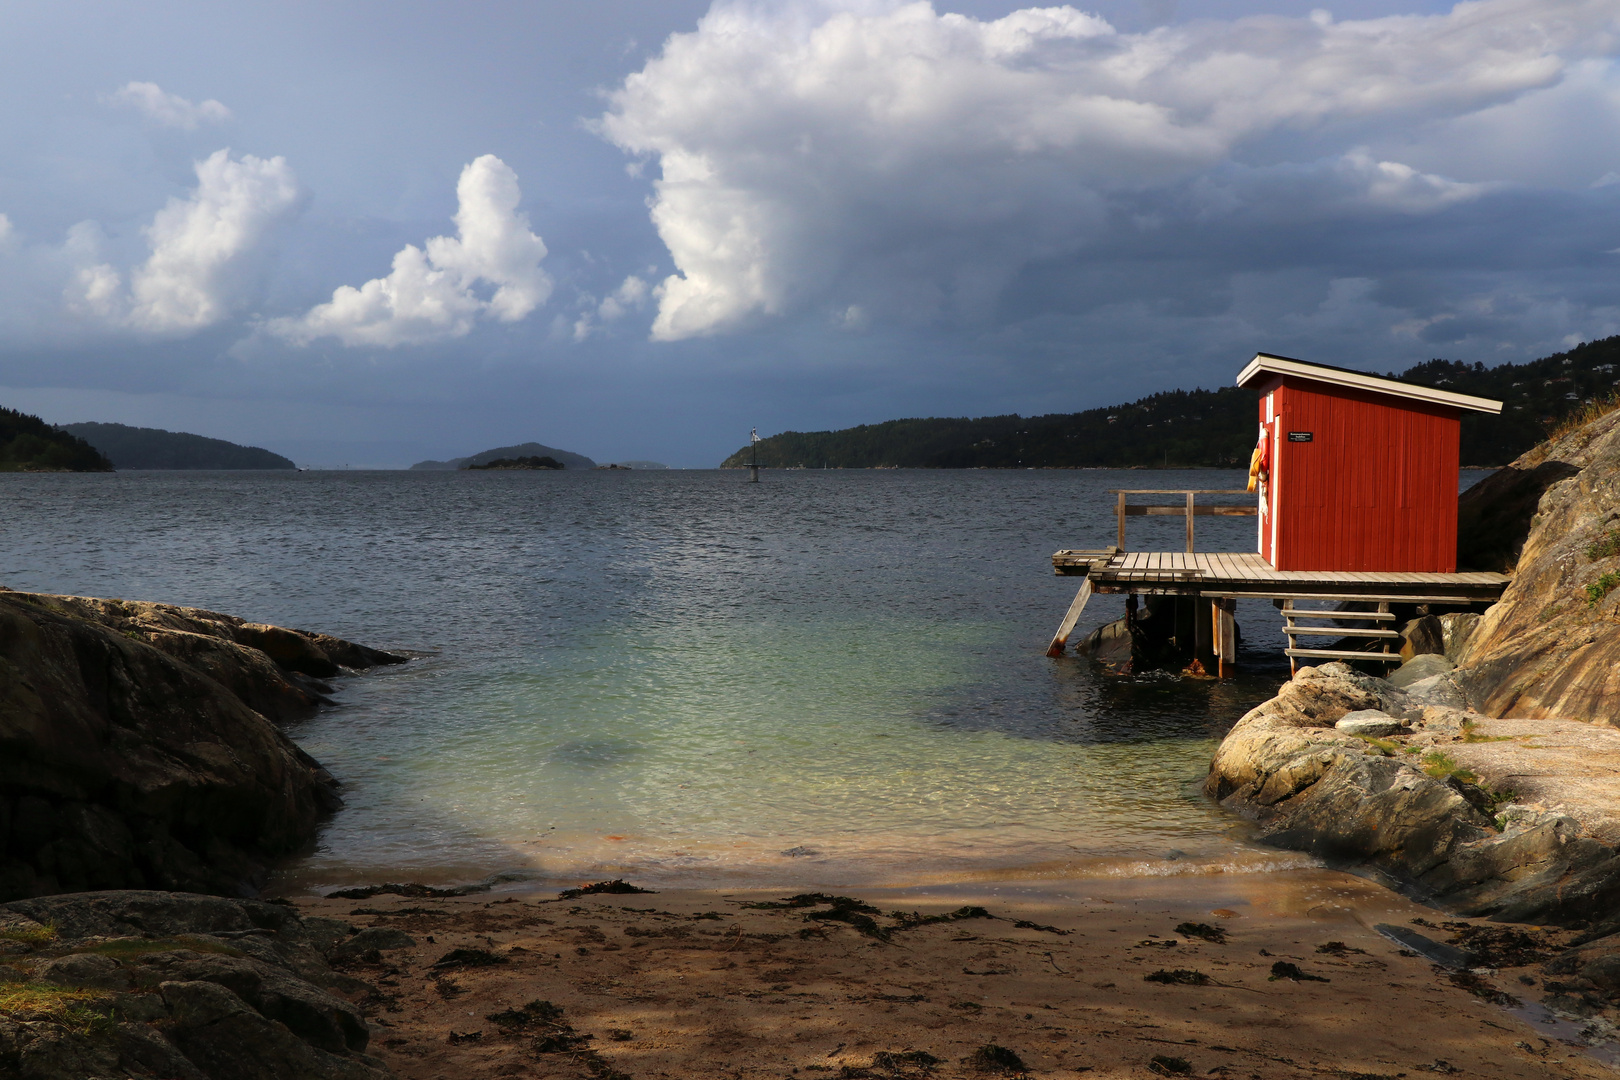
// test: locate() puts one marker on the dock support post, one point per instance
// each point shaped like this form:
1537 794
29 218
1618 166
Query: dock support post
1121 512
1061 639
1189 523
1225 634
1201 627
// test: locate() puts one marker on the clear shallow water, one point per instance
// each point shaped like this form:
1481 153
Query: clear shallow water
681 677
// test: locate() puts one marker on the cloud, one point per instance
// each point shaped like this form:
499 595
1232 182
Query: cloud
201 249
1355 183
432 292
910 164
631 294
169 110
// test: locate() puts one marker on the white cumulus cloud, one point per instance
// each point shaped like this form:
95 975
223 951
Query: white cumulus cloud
910 163
201 249
433 292
169 110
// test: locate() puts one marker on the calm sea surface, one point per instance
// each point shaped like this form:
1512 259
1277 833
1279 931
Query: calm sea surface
825 678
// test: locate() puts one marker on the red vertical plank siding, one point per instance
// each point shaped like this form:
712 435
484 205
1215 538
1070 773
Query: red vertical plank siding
1374 490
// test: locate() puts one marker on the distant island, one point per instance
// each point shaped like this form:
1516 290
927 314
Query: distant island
29 444
1193 428
642 465
521 463
153 448
511 453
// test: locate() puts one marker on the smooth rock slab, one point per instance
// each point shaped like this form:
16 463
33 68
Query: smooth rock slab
1373 722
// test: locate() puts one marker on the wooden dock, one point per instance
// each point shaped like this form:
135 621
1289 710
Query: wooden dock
1218 579
1214 581
1245 575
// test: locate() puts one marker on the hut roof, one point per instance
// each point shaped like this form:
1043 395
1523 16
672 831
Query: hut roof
1267 364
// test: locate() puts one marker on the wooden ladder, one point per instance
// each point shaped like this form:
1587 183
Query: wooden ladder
1376 632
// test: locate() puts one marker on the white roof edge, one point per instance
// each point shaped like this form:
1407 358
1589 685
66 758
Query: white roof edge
1278 365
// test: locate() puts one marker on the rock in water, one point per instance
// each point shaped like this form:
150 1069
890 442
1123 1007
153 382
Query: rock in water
135 749
1550 646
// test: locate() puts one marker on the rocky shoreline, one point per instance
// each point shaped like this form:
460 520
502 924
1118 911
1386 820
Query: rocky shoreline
140 747
1473 814
1485 781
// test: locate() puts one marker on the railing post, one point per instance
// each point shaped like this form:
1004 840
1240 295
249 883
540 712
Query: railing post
1121 544
1189 523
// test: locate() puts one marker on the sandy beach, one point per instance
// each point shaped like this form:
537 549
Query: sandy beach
1254 976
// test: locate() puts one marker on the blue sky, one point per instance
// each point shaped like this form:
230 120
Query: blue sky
373 233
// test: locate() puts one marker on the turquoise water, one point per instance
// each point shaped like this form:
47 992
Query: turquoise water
825 678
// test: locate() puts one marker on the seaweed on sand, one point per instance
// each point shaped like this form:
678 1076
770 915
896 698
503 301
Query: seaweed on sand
993 1058
844 909
617 887
1203 931
1282 969
468 958
813 899
912 920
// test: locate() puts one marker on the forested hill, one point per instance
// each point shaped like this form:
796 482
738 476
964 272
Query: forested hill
1193 428
29 444
154 448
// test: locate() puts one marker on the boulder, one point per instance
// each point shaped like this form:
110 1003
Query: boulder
1373 722
132 754
228 1040
1426 634
1418 668
1549 647
1111 644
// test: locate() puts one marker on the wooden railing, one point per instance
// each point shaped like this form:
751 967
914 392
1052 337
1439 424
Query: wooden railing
1189 509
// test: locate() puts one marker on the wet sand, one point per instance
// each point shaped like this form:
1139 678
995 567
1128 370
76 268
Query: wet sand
697 984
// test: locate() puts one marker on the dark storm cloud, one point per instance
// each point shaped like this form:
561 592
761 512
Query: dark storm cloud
376 233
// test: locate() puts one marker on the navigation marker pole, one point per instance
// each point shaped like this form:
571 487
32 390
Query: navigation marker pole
753 469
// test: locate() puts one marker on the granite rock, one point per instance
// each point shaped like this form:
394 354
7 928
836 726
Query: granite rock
192 988
1420 667
1451 837
133 752
1549 647
1372 722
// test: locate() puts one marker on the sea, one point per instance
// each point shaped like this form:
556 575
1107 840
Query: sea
827 678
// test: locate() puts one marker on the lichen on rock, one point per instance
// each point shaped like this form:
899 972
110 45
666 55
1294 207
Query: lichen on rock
142 983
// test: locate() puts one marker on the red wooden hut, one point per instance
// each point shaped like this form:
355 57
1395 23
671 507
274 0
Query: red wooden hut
1360 472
